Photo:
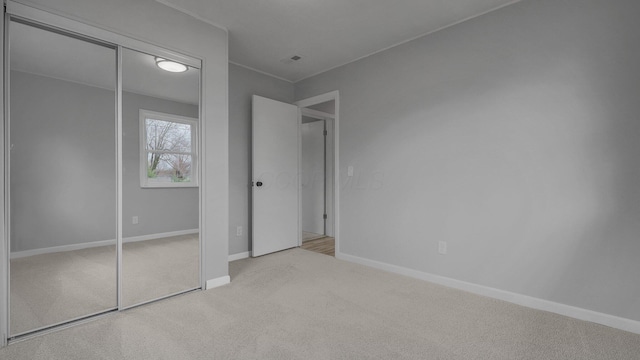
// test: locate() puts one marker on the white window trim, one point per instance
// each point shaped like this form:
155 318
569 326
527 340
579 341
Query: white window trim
144 115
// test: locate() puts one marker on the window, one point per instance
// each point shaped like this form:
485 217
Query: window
168 156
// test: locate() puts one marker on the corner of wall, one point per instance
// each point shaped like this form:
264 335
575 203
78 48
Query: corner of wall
217 282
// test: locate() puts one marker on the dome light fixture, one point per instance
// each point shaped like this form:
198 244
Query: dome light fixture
171 66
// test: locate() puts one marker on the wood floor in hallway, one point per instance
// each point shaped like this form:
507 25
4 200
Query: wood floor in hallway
325 245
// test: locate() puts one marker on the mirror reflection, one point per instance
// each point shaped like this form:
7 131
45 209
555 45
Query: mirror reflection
160 110
62 178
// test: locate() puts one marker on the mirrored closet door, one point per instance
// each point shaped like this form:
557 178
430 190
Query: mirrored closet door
62 178
103 176
160 208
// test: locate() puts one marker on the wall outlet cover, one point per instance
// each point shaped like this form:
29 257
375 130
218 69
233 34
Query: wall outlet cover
442 247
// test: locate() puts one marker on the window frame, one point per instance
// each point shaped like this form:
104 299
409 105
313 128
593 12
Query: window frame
155 115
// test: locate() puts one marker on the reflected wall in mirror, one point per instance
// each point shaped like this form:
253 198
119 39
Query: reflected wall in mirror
161 246
63 181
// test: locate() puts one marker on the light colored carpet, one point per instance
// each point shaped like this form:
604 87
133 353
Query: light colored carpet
298 304
155 268
51 288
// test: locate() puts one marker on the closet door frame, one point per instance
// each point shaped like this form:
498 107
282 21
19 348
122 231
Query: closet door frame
74 28
4 248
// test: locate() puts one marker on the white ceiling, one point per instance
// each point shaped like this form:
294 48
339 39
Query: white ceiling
324 33
46 53
141 75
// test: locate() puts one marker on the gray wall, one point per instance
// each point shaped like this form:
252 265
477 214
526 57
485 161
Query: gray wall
159 210
243 83
513 137
312 177
70 191
63 162
327 107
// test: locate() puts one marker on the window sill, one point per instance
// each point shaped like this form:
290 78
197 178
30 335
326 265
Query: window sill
168 186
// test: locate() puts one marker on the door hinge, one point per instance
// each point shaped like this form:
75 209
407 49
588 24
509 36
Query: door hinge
325 133
324 216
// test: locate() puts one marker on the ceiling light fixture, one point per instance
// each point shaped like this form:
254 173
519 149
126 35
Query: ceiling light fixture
171 66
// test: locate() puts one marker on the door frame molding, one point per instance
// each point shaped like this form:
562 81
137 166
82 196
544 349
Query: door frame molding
4 247
314 100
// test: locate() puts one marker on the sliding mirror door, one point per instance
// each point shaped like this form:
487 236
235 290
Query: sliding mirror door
160 209
62 178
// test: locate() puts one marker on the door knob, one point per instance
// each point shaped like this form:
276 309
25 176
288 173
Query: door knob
259 183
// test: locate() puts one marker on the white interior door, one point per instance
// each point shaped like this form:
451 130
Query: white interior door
313 177
275 176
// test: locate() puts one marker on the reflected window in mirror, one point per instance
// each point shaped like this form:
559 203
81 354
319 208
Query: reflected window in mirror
168 152
160 195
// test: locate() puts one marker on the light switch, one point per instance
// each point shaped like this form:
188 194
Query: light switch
350 170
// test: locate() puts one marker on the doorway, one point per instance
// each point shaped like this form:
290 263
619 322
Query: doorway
317 173
276 169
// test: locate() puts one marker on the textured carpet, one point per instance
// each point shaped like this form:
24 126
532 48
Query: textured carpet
298 304
155 268
52 288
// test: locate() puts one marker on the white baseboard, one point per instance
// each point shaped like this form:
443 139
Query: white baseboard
159 236
519 299
239 256
55 249
87 245
217 282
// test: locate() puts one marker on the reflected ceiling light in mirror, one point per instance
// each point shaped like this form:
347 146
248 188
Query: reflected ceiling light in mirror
171 66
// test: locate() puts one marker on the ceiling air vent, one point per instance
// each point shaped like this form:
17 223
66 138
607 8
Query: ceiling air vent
290 59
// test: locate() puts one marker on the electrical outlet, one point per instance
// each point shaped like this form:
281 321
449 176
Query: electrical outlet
238 230
442 247
134 220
